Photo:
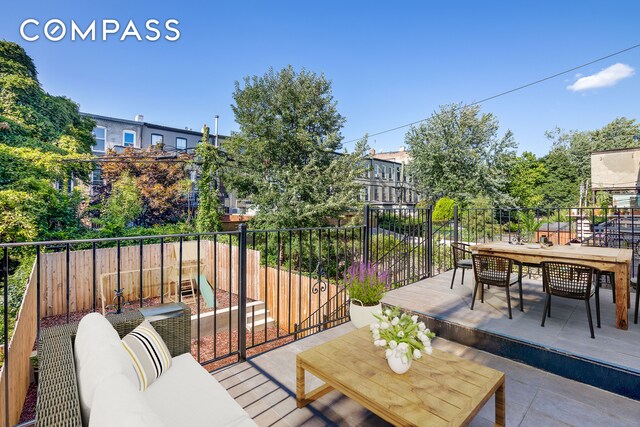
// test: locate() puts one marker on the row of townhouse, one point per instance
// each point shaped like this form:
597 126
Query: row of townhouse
118 134
386 182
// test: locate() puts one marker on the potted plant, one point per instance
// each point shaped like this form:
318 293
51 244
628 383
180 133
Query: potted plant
402 337
366 286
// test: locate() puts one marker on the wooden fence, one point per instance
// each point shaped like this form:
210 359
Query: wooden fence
219 264
290 296
18 363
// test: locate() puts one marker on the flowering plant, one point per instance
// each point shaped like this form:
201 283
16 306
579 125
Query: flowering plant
366 283
402 333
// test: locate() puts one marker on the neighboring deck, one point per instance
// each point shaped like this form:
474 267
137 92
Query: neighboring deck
265 387
563 346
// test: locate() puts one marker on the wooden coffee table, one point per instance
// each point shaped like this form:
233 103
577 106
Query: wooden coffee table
440 389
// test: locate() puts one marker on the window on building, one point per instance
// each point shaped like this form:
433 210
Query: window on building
384 194
129 138
390 174
398 174
100 134
375 194
366 194
376 171
383 169
181 143
156 139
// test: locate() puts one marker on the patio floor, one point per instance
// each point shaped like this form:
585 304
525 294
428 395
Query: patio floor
566 331
265 387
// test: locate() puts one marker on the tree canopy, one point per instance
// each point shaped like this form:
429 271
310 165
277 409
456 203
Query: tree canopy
457 152
162 185
285 157
40 135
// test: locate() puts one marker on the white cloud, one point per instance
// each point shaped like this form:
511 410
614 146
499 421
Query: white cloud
603 78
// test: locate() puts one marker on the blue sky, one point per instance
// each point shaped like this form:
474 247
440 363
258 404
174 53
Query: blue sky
391 63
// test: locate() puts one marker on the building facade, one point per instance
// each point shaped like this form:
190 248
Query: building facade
117 134
618 173
387 182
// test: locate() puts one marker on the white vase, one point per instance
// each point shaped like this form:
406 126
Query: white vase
396 363
363 315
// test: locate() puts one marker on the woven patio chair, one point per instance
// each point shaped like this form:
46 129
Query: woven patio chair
461 259
496 271
634 284
607 277
572 281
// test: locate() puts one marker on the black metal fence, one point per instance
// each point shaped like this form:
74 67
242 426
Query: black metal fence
248 289
251 290
606 227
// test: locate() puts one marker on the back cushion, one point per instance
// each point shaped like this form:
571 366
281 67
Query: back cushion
98 356
117 402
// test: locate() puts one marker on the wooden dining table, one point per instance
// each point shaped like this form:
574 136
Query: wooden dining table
617 261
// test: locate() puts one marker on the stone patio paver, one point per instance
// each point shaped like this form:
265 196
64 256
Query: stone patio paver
265 387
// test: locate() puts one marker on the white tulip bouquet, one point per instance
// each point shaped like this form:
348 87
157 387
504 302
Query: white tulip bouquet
399 332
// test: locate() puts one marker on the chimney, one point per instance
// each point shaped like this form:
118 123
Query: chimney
372 152
139 118
402 148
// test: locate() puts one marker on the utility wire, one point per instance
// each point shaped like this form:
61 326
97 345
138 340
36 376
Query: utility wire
505 92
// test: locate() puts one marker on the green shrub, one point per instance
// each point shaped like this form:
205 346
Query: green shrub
443 210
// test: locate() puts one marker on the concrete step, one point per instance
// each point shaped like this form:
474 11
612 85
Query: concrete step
259 325
254 308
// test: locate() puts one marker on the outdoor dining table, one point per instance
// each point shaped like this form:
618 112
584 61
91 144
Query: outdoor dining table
613 260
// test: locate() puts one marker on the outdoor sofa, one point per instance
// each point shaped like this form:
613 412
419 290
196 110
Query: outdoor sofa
184 394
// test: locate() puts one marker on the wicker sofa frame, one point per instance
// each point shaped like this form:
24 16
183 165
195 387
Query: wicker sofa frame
58 398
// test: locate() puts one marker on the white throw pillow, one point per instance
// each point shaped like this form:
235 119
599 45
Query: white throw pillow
98 355
117 402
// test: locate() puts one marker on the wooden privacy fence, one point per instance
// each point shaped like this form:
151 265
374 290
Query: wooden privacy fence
219 264
292 297
18 364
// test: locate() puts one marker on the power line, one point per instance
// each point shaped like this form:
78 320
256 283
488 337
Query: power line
506 92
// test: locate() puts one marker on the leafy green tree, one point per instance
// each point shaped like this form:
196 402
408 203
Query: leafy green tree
124 205
457 152
208 215
285 156
526 176
561 187
160 184
571 154
40 137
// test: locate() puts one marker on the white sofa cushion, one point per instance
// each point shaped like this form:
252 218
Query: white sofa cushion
187 395
99 354
117 402
149 354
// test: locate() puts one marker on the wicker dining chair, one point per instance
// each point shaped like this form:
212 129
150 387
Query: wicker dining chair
496 271
461 259
572 281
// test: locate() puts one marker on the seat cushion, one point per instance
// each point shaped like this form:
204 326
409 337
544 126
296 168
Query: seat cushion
465 263
149 354
497 277
117 402
187 395
98 354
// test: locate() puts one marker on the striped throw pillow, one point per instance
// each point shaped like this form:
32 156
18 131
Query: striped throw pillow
149 353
